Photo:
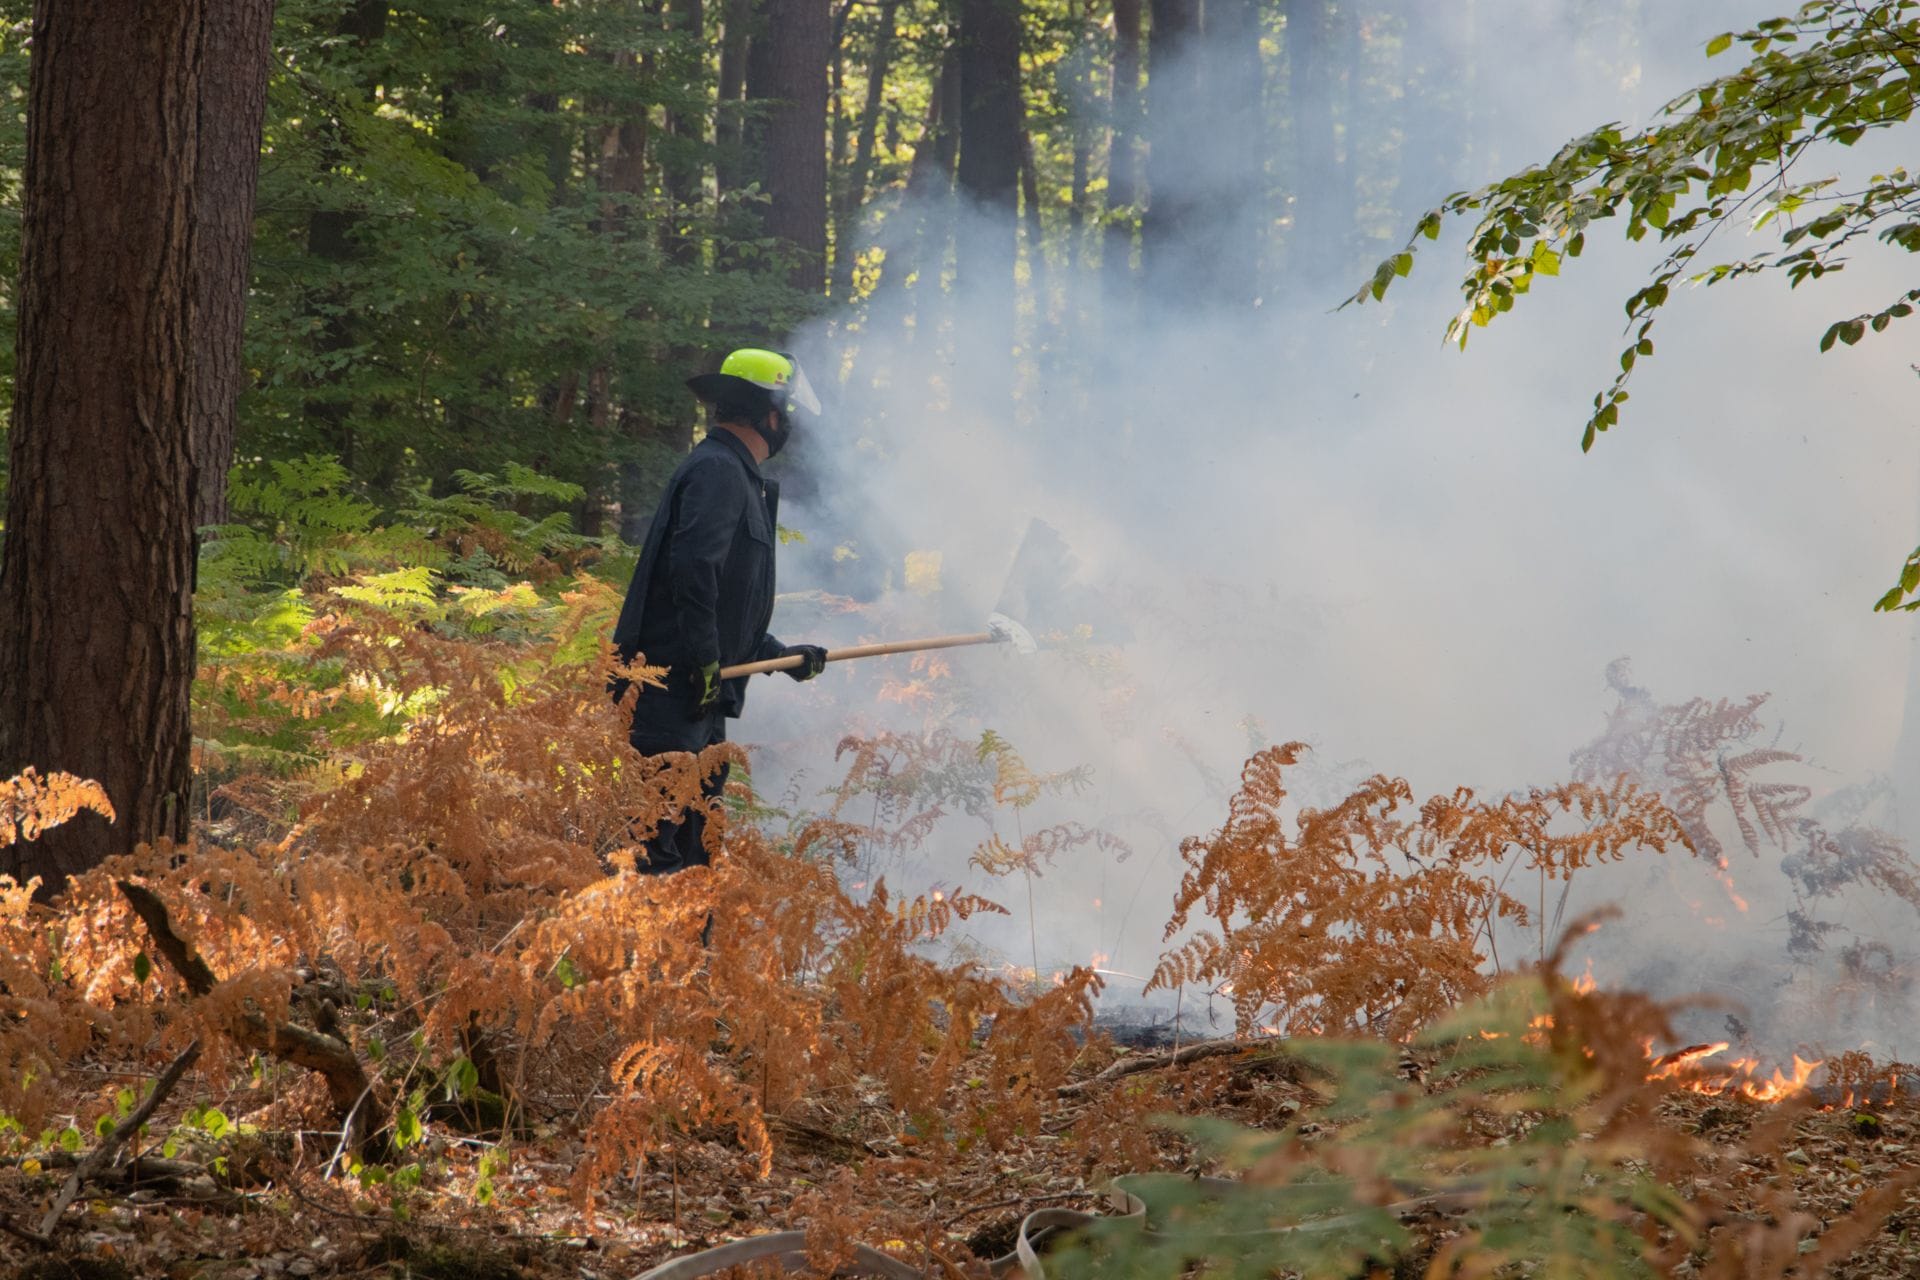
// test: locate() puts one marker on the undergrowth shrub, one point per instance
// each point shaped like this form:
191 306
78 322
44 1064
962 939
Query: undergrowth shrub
469 881
1534 1139
420 836
1373 915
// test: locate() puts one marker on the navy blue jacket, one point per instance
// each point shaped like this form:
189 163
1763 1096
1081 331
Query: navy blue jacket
703 590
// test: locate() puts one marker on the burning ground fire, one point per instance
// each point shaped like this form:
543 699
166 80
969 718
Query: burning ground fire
1691 1069
1699 1069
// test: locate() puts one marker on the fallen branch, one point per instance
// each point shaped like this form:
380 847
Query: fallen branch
332 1057
1153 1062
104 1155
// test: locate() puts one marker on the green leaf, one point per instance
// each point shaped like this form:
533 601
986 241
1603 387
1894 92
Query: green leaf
215 1122
142 967
406 1127
70 1139
1720 44
462 1078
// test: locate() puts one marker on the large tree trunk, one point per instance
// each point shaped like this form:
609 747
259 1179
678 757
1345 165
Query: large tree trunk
989 173
96 580
1170 248
788 71
237 42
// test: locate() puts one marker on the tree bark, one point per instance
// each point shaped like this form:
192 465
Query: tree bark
1176 119
989 172
788 72
1123 149
237 43
96 579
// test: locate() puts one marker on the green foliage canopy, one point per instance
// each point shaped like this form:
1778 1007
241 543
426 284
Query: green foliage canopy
1727 151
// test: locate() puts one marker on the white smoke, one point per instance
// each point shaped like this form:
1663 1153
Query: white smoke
1329 526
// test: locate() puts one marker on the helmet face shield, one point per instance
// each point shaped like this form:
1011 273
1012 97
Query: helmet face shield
800 391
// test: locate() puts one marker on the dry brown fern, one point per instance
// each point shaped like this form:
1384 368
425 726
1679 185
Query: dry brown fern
467 883
1370 915
31 802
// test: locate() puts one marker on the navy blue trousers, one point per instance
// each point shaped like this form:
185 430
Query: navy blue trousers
661 724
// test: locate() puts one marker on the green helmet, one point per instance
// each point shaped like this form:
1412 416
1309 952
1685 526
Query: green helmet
775 374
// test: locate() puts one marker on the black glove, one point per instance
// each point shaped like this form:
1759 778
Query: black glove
816 660
706 691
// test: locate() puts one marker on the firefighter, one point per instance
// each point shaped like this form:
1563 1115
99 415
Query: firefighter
702 595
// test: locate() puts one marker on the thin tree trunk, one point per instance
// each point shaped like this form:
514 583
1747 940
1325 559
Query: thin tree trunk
1082 98
840 129
96 578
329 238
1035 229
731 169
852 195
1123 149
238 40
685 171
906 238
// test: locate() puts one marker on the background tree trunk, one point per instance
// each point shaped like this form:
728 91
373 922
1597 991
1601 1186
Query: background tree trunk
1123 148
237 42
729 121
96 580
1176 113
788 72
329 238
852 194
989 172
1233 188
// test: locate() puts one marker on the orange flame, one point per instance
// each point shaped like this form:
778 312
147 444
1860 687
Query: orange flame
1734 1078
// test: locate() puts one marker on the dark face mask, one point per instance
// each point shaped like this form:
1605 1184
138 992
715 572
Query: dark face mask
778 434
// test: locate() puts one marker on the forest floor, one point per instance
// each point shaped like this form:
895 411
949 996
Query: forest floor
845 1165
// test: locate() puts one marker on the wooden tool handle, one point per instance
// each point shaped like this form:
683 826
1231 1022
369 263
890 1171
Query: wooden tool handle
862 651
